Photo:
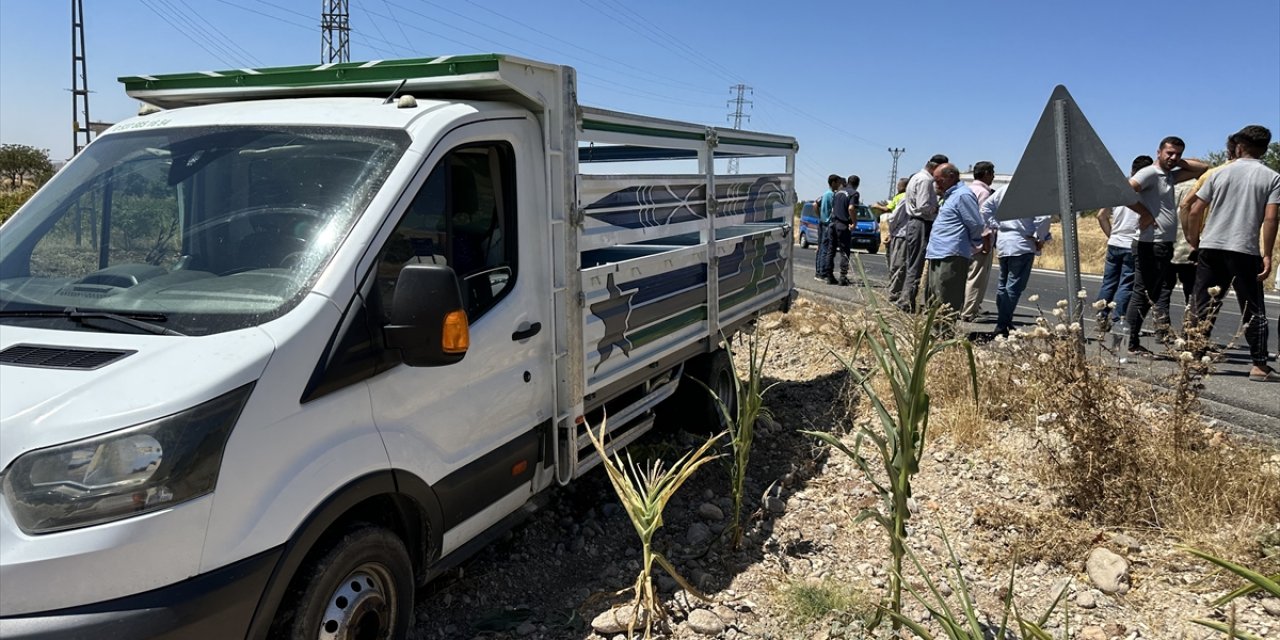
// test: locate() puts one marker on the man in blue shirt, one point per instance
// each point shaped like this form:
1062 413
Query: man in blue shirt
956 232
822 261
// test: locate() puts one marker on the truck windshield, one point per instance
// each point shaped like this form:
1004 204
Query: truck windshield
202 229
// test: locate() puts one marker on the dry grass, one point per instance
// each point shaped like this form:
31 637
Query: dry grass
1119 453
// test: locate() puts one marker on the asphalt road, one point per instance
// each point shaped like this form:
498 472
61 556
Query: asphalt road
1228 395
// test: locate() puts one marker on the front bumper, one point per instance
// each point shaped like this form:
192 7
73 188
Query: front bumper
865 241
219 604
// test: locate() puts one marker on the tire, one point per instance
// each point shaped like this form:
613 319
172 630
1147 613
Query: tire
361 587
692 408
874 248
804 239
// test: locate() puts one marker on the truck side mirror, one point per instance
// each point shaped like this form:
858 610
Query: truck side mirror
428 323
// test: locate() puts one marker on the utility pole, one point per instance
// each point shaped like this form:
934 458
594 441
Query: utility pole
80 131
893 175
738 114
335 34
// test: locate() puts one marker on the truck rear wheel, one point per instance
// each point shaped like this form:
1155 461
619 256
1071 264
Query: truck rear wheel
361 588
692 407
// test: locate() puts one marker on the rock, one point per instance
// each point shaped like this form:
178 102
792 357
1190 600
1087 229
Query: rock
775 505
697 534
1108 571
727 615
709 511
1087 599
705 622
1272 606
615 621
1092 633
526 629
1127 542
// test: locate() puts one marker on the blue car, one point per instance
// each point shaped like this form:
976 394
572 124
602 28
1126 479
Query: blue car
865 234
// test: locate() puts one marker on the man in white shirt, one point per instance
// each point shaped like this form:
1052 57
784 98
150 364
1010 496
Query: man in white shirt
921 208
1120 225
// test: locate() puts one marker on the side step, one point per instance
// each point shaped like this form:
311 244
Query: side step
626 425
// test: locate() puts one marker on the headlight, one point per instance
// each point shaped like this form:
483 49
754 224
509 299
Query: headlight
124 473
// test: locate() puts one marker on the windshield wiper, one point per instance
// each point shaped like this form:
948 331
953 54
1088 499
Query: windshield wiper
137 321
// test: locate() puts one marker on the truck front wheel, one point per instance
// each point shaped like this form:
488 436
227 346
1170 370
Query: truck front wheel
361 588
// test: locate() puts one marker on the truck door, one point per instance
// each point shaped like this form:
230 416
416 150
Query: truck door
471 429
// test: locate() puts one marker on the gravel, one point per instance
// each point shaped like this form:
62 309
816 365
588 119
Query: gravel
558 574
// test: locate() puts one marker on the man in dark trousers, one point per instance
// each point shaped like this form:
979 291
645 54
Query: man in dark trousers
1154 277
822 259
921 208
844 208
1245 197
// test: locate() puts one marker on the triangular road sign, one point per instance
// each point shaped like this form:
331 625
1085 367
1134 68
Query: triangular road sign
1094 178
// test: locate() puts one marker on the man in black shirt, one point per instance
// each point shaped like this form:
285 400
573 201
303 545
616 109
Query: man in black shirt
844 208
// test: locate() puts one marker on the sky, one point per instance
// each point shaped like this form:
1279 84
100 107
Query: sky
848 80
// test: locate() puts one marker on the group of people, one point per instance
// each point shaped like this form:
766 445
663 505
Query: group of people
940 222
837 210
1213 229
1211 235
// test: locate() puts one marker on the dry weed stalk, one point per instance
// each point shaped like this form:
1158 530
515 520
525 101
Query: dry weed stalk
1127 454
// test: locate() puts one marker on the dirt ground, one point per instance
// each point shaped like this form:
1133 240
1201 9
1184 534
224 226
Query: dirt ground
804 569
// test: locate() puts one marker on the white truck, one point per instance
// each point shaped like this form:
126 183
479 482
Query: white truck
295 340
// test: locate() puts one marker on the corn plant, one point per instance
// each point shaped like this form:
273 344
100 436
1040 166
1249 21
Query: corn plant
1257 582
742 424
644 491
963 622
900 441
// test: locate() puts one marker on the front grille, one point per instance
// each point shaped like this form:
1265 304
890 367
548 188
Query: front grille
50 357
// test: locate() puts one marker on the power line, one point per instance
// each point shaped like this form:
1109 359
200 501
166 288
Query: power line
184 32
622 88
306 27
202 33
223 37
378 28
595 55
407 42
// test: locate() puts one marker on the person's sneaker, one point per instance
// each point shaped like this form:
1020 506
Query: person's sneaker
820 278
844 282
832 280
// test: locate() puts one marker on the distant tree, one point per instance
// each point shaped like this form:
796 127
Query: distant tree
1271 158
20 164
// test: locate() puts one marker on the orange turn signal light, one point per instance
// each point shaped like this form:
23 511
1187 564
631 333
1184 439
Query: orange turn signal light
456 337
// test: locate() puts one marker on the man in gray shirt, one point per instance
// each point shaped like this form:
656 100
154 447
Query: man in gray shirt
1153 277
921 208
1245 197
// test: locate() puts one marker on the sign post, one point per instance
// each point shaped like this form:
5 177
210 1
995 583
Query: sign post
1065 168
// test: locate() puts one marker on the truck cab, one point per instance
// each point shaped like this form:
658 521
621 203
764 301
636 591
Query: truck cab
274 355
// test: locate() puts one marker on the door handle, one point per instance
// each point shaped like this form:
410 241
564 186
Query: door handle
525 334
